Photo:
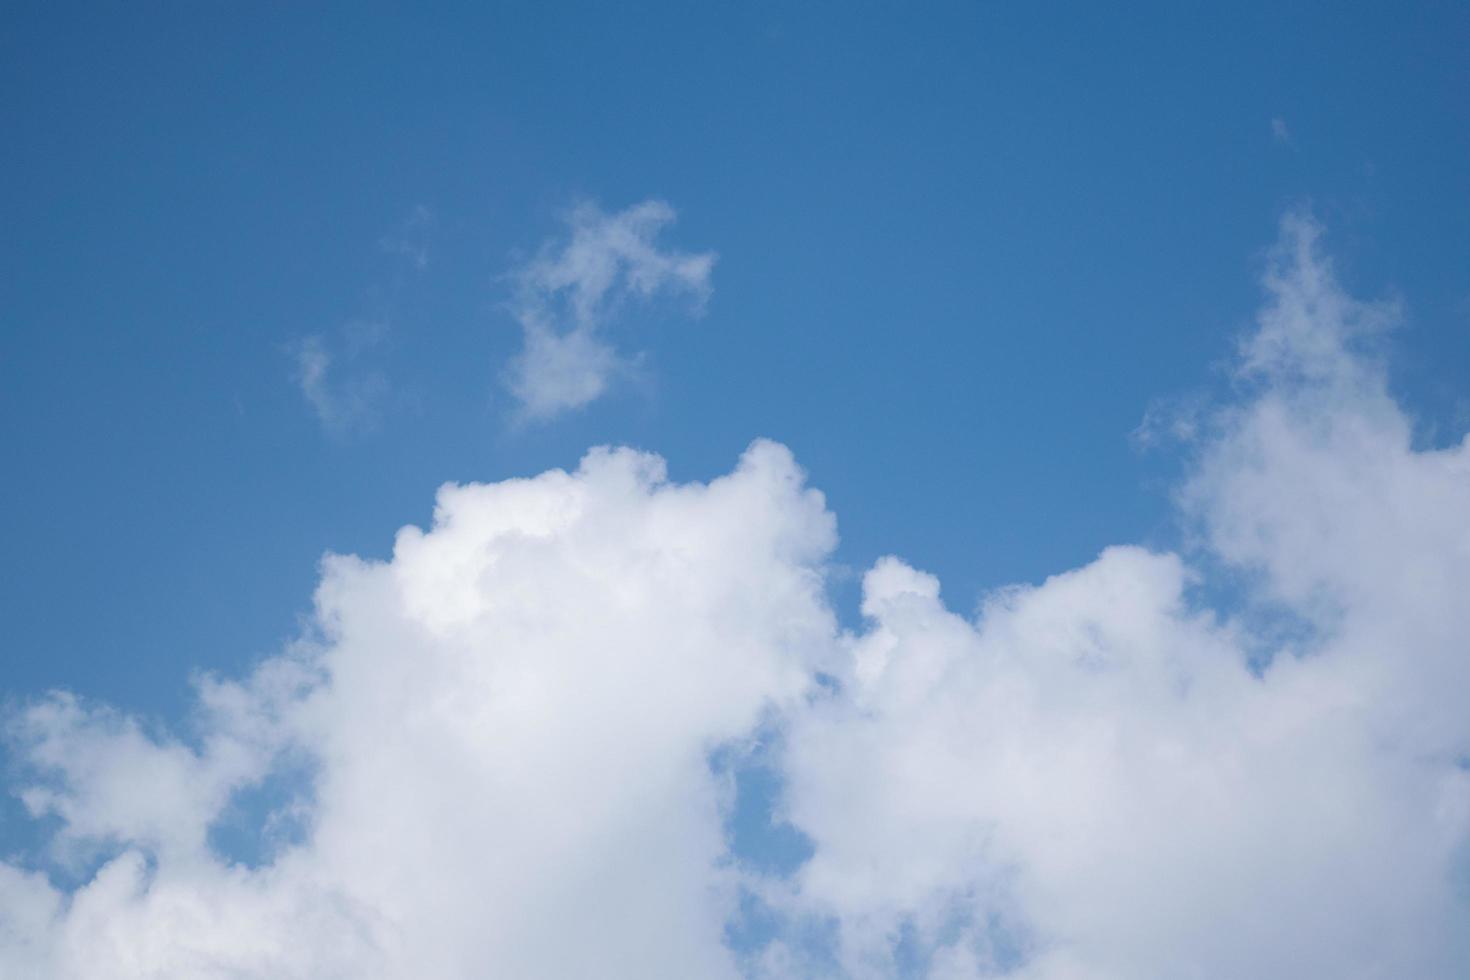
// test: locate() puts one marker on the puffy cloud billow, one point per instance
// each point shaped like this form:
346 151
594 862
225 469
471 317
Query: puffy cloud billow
492 754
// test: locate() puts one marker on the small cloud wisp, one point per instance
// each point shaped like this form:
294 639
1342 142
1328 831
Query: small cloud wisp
567 295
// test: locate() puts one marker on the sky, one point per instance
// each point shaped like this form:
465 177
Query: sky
762 490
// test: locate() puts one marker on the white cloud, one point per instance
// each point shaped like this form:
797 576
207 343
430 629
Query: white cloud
511 722
509 726
569 292
1279 132
1089 780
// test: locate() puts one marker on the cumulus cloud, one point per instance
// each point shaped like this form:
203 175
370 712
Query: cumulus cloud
508 729
568 293
1096 776
510 723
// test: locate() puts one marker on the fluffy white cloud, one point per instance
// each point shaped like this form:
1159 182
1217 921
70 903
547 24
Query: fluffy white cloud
565 296
510 724
1089 779
507 729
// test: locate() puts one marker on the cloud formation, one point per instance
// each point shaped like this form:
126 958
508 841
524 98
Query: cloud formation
410 240
507 730
1100 777
574 287
509 722
346 392
344 406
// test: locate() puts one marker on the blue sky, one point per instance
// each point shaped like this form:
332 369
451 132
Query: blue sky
961 249
945 239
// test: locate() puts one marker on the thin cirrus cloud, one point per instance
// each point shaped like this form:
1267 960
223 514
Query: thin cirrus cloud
410 240
338 373
565 298
346 398
510 724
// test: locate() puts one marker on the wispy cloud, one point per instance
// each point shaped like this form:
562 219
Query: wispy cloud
347 399
1279 132
410 240
1169 421
335 372
572 289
